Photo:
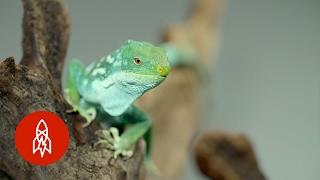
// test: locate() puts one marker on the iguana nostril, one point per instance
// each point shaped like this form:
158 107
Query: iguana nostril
163 71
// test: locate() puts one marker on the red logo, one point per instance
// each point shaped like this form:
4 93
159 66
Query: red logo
42 138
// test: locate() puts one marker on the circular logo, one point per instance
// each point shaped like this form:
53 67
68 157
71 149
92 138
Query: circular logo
42 138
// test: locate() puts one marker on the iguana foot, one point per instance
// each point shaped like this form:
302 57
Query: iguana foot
111 139
89 114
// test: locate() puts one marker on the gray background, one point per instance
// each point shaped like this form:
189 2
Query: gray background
266 82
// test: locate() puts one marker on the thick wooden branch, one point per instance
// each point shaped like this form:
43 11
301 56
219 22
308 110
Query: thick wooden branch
35 85
45 36
224 156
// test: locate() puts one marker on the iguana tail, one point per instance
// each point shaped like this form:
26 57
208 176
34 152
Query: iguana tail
179 56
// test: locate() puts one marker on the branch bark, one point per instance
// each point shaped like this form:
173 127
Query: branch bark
35 85
45 36
225 156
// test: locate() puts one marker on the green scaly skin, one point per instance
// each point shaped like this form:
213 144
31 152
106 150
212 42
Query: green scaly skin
107 88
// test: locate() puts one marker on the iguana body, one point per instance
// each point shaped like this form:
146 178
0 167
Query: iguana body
106 90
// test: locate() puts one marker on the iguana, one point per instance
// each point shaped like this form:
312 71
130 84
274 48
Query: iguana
106 90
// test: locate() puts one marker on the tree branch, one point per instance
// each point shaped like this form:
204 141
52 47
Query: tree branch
224 156
45 36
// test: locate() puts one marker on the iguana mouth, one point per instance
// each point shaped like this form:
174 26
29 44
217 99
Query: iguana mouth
141 82
163 70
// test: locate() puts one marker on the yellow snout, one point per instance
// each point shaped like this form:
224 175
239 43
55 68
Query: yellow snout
163 70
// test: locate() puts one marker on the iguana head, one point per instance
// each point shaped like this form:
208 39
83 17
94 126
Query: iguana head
142 58
136 67
140 65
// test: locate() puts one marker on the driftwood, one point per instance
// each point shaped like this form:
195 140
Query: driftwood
35 84
224 156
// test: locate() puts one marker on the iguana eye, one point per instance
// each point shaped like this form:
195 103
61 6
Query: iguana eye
137 60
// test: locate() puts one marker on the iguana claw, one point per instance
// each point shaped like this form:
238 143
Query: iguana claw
89 114
111 139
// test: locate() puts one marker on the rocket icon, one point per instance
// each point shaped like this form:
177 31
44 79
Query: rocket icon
42 138
41 142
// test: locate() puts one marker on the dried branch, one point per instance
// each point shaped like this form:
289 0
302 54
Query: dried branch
225 156
45 36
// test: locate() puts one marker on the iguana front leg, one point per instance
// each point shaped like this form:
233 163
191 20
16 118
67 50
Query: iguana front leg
86 111
141 126
71 93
